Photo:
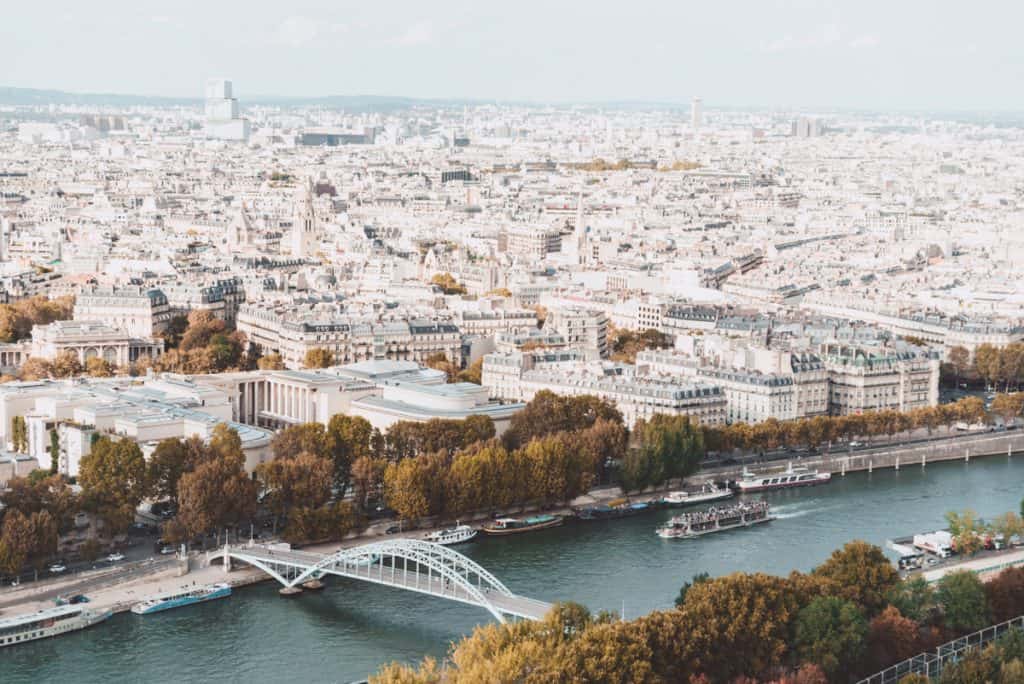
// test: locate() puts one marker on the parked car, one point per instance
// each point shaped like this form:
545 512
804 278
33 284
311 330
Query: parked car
167 550
115 557
394 529
57 568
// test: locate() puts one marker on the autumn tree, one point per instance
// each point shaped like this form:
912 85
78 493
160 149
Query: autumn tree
414 487
1008 406
441 362
295 439
171 459
473 372
548 413
966 530
1005 594
49 493
891 638
914 598
962 597
66 365
272 361
738 624
218 493
318 357
448 284
300 480
97 367
346 440
367 479
673 442
684 590
35 368
114 481
859 572
16 542
830 632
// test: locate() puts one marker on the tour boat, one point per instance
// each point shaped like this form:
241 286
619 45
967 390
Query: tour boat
49 622
714 519
707 494
503 526
155 604
790 477
456 535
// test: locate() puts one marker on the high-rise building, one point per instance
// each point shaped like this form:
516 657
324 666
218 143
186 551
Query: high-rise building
807 127
222 119
696 113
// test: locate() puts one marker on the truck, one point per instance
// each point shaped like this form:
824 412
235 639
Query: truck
939 543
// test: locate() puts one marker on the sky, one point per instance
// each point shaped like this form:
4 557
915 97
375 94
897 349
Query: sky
869 54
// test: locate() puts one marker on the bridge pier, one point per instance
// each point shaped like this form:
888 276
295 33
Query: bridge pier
227 559
289 592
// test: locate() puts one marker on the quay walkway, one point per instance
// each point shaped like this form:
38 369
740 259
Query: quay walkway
409 564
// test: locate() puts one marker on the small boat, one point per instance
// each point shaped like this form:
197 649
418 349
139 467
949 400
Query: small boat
790 477
161 602
503 526
49 622
707 494
456 535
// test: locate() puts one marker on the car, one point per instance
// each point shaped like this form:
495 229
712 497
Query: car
166 550
16 582
856 445
394 529
57 568
115 557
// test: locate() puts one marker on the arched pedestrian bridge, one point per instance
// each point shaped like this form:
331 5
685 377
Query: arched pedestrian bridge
410 564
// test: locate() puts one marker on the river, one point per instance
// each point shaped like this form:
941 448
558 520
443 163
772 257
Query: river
351 628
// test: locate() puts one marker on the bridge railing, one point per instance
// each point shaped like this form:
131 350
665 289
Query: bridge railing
931 664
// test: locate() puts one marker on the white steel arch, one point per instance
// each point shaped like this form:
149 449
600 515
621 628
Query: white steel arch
411 564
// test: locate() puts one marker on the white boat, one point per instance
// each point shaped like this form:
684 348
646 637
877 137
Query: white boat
790 477
48 623
709 492
456 535
155 604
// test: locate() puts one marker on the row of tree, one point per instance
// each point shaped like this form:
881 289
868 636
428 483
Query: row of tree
624 344
18 318
811 432
994 365
851 616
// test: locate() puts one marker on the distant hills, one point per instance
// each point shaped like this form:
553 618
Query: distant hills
37 97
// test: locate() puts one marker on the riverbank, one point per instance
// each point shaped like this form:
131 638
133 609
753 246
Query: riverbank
352 627
117 591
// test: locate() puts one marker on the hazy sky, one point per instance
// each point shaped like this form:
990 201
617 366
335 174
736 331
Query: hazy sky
867 53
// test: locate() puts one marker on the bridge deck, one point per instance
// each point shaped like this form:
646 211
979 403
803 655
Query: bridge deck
400 574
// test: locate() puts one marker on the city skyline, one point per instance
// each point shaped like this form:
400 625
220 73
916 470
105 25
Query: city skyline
783 54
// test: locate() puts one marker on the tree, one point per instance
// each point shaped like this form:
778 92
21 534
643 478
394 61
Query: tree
683 590
675 446
367 479
830 632
35 368
171 459
202 326
966 530
296 439
548 413
408 488
347 439
318 357
959 361
54 451
272 361
557 472
914 598
19 434
860 572
66 364
327 523
113 480
473 372
612 652
891 638
738 624
439 361
962 597
1008 406
97 367
218 493
1005 594
303 480
49 493
16 542
448 284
